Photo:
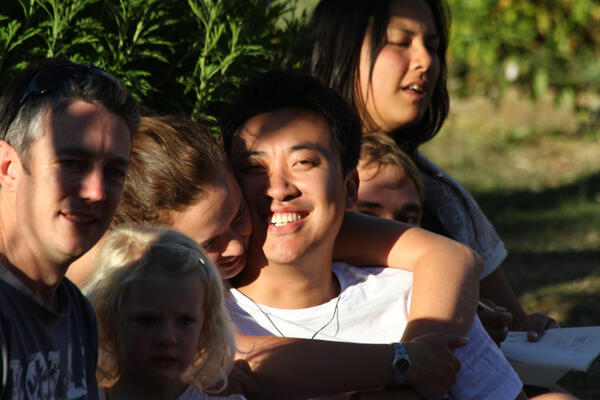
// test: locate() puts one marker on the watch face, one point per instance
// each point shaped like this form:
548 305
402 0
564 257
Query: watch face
401 366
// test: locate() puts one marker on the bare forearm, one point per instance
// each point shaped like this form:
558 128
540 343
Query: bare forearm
367 241
445 300
446 273
299 368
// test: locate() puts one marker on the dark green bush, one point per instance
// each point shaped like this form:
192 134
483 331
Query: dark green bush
176 56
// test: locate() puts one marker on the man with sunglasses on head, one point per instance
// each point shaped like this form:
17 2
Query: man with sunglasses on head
65 141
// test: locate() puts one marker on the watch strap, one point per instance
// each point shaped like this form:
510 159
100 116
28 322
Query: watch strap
400 363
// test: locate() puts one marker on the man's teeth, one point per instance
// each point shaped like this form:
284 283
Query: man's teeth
417 88
282 219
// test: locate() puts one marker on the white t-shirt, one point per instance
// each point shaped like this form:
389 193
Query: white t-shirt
460 215
373 308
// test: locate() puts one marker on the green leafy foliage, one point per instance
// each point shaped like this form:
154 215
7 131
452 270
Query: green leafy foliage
184 57
188 56
538 46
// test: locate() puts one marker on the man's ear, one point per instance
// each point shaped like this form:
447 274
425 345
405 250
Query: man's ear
9 162
352 183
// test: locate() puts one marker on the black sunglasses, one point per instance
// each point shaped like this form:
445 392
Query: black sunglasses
56 78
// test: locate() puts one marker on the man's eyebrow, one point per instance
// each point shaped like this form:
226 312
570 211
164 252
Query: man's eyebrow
250 153
122 161
308 146
298 147
368 204
79 151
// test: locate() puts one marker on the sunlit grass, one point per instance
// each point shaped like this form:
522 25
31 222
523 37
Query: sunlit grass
540 190
536 174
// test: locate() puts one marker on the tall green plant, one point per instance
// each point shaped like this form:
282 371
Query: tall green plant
67 29
214 51
236 39
33 29
15 34
183 57
12 37
136 42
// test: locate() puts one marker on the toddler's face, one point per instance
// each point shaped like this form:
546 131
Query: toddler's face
162 324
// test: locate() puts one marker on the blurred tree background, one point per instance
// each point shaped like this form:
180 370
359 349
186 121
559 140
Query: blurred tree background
538 47
523 132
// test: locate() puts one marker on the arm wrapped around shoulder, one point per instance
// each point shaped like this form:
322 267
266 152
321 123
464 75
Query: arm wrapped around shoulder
446 273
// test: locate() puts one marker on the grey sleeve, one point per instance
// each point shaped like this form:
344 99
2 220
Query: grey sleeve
3 360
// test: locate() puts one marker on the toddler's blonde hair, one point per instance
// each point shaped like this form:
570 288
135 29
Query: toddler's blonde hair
132 253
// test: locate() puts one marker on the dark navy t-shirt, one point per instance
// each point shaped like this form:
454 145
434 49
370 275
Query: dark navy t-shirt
46 354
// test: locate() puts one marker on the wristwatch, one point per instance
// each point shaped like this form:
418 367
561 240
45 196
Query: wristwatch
400 364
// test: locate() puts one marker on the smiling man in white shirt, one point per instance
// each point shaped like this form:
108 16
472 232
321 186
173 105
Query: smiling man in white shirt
294 146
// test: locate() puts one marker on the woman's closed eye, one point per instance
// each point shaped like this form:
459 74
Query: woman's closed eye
400 43
241 213
209 245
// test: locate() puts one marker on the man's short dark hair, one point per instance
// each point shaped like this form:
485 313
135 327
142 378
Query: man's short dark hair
54 84
277 90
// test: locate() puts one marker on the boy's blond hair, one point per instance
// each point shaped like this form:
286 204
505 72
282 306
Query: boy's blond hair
379 150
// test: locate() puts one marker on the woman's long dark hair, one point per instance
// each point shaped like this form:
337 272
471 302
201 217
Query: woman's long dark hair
334 39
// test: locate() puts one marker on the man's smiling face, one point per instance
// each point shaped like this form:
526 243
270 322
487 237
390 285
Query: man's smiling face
289 169
74 180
